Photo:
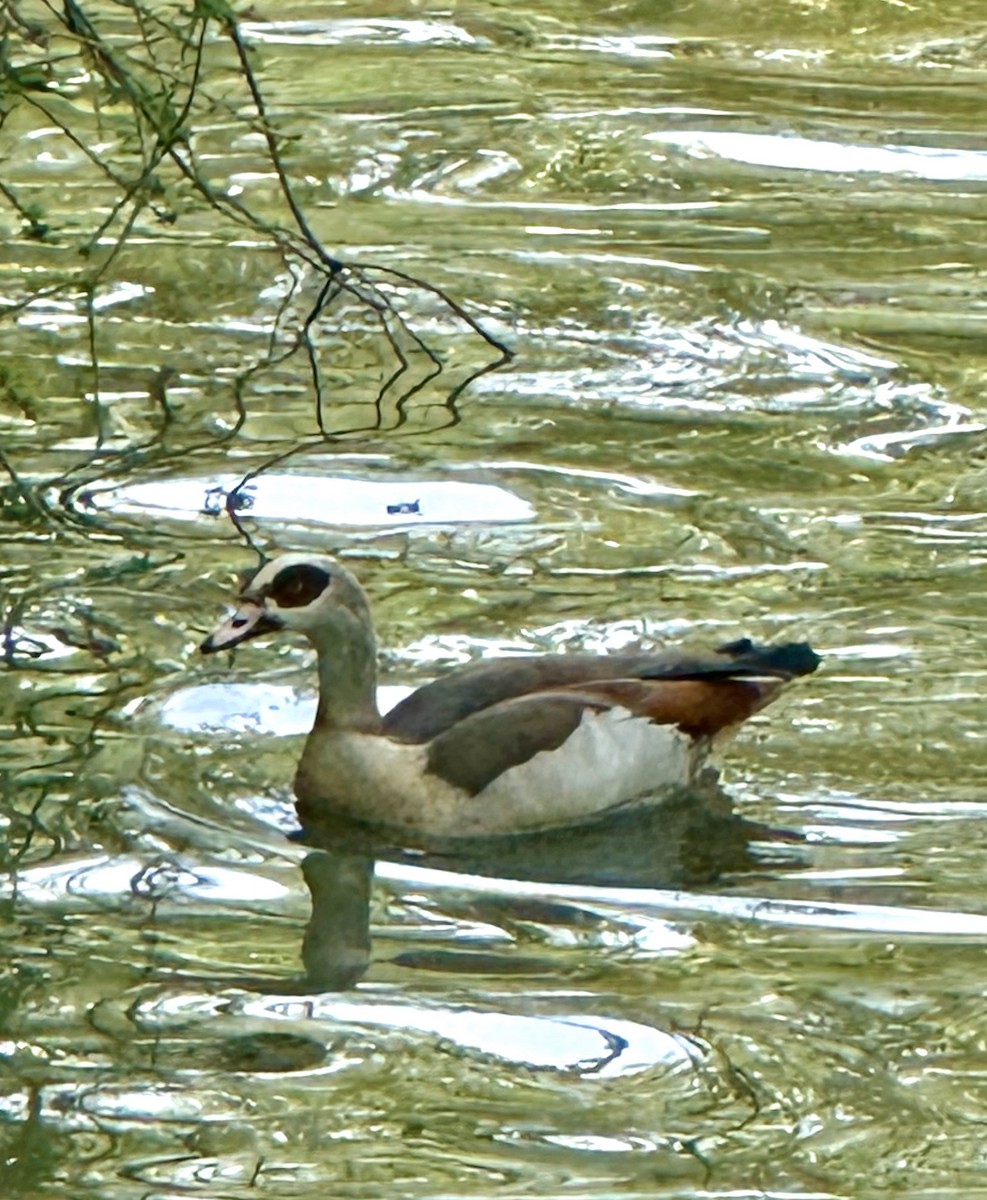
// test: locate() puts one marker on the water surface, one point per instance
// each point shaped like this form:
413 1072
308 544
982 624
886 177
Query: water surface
737 258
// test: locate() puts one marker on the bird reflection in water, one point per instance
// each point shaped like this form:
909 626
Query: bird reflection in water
690 838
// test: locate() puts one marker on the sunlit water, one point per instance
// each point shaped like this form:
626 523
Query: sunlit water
738 256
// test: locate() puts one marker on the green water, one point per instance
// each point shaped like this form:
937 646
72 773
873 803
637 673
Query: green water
737 253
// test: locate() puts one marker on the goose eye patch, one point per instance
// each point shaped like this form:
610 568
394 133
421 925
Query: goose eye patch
296 586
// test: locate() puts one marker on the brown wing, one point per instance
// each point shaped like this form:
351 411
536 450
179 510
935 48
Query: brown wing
440 706
475 750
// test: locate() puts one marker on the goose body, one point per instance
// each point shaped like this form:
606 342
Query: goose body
505 745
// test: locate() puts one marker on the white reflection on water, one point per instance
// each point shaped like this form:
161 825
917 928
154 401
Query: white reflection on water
321 499
602 1046
635 903
631 484
274 709
662 366
647 910
625 45
875 651
593 1142
277 710
954 421
809 154
376 32
159 1102
48 313
100 879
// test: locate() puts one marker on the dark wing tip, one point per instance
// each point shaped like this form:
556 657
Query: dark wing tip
738 660
787 660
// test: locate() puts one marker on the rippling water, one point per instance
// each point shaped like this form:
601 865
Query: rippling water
738 258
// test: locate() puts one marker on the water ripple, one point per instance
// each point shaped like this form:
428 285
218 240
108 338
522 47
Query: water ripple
795 153
377 32
600 1047
864 918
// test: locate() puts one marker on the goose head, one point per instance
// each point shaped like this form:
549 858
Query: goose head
314 595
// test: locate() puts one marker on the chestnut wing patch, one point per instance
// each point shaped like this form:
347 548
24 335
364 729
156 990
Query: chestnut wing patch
473 752
439 706
700 708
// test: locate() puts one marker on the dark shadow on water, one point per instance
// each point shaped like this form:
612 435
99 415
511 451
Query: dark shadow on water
690 838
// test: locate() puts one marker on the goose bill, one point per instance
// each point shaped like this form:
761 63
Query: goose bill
249 621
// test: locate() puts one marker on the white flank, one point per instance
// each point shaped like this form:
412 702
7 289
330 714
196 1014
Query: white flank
610 758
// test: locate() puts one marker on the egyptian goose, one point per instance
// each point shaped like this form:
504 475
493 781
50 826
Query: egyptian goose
504 745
